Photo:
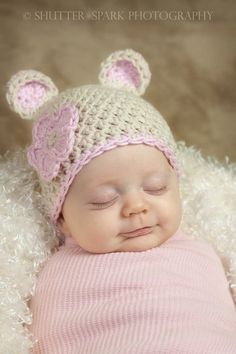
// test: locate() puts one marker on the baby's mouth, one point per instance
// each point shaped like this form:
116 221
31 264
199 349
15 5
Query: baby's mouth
138 232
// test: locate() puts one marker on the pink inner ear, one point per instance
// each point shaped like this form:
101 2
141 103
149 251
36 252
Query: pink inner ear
124 71
31 94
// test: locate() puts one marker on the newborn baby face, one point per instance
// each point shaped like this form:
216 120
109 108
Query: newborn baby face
125 200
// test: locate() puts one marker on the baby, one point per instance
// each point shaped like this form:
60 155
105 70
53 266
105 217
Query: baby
126 279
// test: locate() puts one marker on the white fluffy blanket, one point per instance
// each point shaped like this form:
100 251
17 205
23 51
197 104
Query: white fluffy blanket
26 238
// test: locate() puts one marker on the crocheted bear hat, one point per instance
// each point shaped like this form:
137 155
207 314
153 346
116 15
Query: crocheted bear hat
75 126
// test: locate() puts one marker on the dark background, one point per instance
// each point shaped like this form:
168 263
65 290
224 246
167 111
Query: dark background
192 61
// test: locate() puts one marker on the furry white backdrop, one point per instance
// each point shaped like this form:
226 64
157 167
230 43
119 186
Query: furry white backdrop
27 239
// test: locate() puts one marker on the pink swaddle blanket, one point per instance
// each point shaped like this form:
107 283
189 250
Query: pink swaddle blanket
172 299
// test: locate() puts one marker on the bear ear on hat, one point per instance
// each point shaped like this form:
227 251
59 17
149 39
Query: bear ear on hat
28 90
126 69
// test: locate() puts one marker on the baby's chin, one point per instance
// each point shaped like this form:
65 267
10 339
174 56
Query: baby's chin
134 244
139 243
129 244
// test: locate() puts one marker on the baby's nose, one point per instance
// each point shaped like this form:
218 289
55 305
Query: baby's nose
134 203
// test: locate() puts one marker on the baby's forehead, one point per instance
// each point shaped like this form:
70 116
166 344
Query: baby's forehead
128 156
136 160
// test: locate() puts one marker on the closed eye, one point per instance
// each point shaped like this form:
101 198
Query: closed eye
103 205
156 191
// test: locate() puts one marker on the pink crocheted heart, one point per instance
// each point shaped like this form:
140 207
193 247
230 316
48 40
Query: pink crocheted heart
53 140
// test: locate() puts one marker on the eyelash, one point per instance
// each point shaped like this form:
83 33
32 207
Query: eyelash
111 202
156 191
105 204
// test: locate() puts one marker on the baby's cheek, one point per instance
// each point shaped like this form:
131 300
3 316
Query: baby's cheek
170 214
175 218
101 223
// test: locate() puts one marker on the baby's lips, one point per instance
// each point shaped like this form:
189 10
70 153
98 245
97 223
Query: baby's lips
138 232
